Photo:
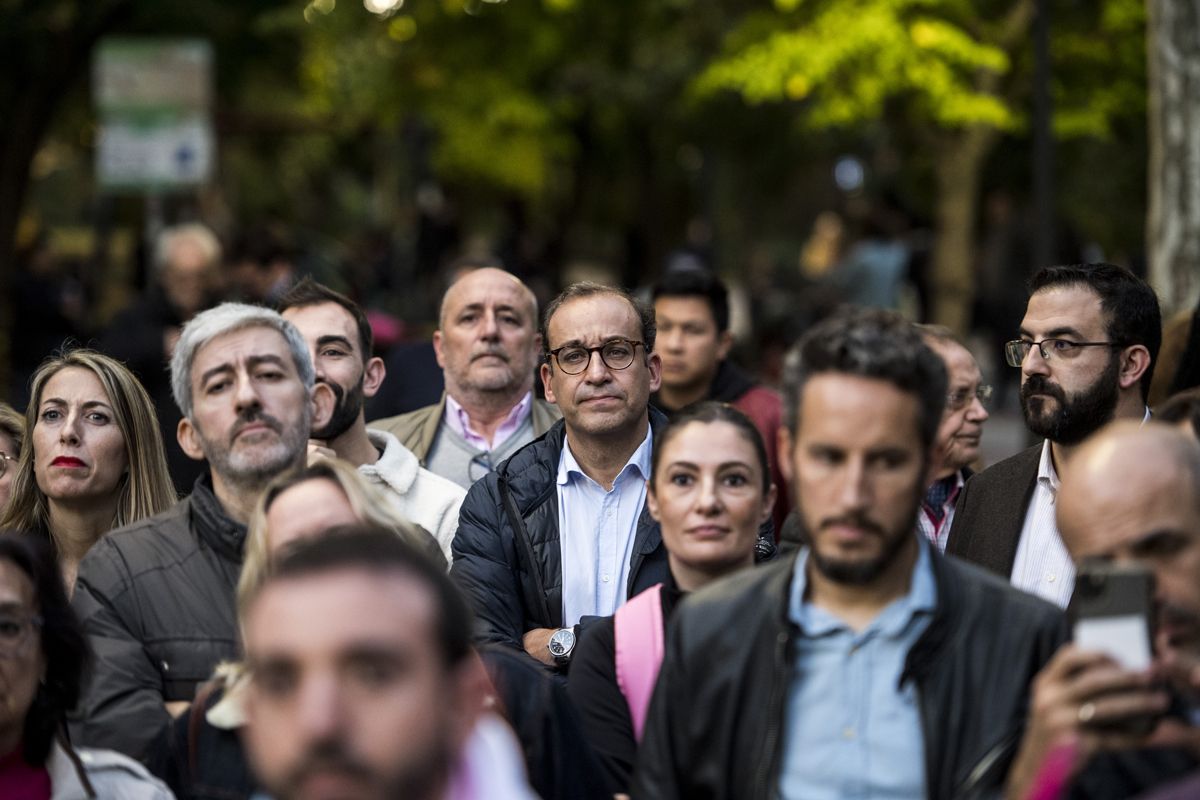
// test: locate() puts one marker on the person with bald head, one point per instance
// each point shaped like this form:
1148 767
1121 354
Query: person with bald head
487 344
1132 496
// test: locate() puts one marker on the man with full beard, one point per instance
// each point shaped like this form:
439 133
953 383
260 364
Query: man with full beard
866 665
340 343
156 598
1132 498
1088 342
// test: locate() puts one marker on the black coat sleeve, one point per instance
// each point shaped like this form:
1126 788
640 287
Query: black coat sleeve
123 706
485 566
603 710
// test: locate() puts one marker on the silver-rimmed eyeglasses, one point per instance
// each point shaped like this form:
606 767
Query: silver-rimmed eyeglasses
960 399
615 353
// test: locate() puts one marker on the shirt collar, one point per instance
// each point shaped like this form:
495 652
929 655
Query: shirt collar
1046 473
891 621
460 422
639 462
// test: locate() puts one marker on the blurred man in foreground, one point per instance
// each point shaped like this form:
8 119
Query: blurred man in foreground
865 666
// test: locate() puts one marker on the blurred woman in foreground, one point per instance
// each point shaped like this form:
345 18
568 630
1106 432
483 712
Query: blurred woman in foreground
710 490
42 657
93 460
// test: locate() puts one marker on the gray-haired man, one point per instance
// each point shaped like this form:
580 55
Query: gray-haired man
157 597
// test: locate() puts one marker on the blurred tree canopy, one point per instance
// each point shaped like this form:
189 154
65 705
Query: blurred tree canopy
589 130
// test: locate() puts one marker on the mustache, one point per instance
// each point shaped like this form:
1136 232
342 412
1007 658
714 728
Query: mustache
490 351
253 416
1039 384
328 755
857 520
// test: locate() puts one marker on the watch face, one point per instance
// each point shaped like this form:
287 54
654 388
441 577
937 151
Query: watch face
561 642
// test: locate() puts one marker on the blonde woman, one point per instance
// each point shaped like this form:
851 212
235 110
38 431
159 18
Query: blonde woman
94 456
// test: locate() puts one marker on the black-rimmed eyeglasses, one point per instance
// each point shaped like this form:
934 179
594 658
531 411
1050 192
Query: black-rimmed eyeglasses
1016 350
615 353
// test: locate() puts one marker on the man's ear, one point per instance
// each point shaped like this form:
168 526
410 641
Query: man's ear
724 345
654 364
437 348
373 374
1135 360
189 440
544 371
323 401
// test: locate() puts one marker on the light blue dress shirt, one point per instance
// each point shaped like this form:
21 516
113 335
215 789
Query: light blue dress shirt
851 730
596 529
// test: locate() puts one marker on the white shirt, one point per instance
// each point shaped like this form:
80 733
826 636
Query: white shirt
1043 566
596 529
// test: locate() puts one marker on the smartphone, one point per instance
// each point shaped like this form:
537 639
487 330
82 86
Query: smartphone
1114 612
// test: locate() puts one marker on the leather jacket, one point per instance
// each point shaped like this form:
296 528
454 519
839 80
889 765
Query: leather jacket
716 724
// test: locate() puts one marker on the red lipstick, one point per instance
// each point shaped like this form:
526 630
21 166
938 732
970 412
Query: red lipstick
67 461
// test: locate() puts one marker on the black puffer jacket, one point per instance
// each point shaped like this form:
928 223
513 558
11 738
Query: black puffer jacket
506 552
715 727
157 601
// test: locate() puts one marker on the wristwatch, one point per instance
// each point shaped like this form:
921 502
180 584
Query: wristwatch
562 644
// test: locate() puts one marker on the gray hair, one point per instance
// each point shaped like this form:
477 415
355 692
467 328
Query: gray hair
226 318
869 343
201 235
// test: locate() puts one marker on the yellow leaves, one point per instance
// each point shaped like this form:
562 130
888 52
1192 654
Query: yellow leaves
797 87
846 59
955 45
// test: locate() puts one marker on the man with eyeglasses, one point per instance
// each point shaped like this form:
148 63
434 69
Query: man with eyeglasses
560 534
959 435
1086 351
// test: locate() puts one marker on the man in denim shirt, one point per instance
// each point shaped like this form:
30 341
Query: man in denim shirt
868 666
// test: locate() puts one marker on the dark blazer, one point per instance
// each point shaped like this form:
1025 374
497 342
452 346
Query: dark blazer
990 512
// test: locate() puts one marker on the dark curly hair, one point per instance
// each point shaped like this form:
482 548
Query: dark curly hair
64 647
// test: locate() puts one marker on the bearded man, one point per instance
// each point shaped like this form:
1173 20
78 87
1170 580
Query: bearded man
156 598
340 343
865 665
1086 352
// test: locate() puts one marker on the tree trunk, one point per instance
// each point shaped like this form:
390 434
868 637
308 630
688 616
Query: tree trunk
958 171
1173 224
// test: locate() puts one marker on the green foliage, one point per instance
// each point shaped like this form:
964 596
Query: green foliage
840 62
